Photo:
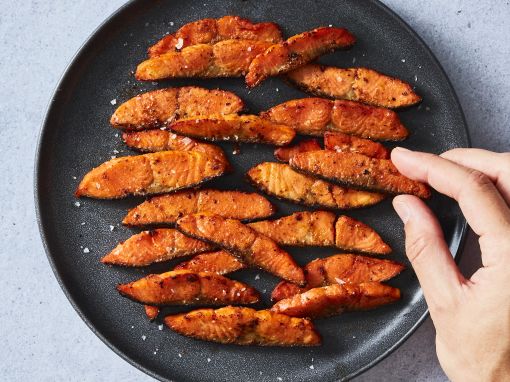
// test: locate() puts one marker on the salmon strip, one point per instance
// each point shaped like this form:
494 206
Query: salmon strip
297 51
154 173
335 299
354 84
188 288
163 106
282 181
155 246
237 128
350 144
244 326
360 171
339 269
315 116
283 154
353 235
251 247
166 209
229 58
151 312
220 262
211 31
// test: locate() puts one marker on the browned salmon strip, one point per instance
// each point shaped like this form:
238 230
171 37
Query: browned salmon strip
350 144
149 247
211 31
220 262
354 84
335 299
339 269
236 128
154 173
229 58
353 235
244 326
283 154
188 288
168 208
163 106
297 51
360 171
251 247
282 181
151 312
315 116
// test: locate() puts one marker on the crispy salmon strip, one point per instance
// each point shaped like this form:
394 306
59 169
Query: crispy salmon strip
163 106
220 262
360 171
188 288
211 31
315 116
150 247
339 269
282 181
297 51
335 299
350 144
283 154
244 326
354 84
230 204
237 128
251 247
154 173
353 235
229 58
151 312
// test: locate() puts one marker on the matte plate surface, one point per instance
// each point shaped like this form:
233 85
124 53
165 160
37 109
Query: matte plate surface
76 136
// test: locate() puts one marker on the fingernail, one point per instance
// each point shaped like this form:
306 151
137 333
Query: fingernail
399 148
402 210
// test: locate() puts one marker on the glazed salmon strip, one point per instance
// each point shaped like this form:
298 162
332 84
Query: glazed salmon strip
244 326
283 154
282 181
339 269
353 235
155 246
211 31
354 84
236 128
315 116
251 247
359 171
188 288
166 209
155 173
161 107
229 58
151 311
350 144
297 51
220 262
335 299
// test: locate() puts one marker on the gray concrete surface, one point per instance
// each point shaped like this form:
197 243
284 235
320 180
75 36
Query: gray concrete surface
43 339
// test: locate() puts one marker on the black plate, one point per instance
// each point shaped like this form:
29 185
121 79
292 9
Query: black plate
76 136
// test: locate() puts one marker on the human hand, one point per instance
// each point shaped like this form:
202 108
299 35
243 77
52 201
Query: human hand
471 316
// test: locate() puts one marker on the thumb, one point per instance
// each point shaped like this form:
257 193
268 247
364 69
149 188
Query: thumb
428 252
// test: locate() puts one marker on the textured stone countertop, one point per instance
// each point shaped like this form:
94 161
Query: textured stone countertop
42 336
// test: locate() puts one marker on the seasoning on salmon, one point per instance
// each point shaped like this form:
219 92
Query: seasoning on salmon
251 247
236 128
146 174
339 269
211 31
358 171
163 106
166 209
244 326
315 116
350 144
188 288
335 299
155 246
229 58
297 51
354 84
282 181
283 154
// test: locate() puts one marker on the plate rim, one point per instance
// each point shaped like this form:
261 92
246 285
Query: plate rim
37 180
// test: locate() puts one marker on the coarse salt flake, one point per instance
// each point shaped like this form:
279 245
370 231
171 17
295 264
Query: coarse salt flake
144 337
353 60
208 360
77 204
279 378
257 276
180 355
249 49
277 89
171 23
74 177
112 227
160 327
86 250
403 60
311 367
113 101
115 151
180 43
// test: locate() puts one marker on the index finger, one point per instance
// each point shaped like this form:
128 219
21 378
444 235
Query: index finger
478 198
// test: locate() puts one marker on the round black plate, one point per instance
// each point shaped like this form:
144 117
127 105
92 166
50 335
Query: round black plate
76 136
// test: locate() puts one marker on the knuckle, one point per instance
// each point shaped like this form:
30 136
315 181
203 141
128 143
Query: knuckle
417 247
479 179
506 159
